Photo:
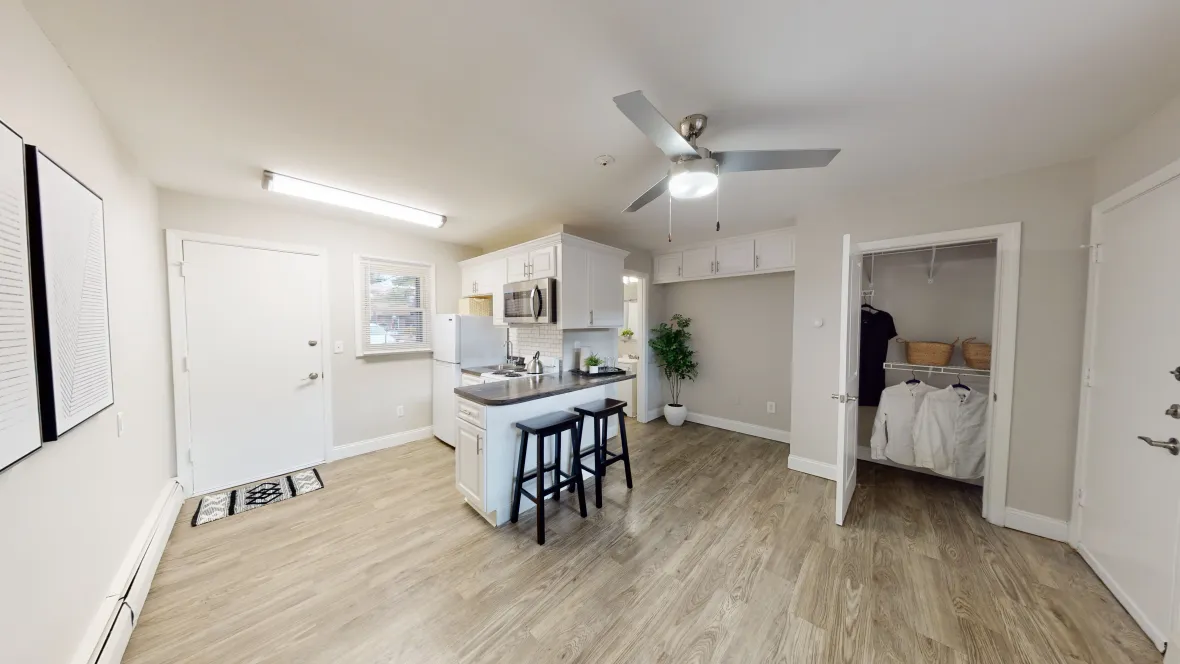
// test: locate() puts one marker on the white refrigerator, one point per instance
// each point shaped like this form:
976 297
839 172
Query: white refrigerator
460 341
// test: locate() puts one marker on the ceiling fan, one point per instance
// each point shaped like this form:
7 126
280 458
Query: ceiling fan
695 170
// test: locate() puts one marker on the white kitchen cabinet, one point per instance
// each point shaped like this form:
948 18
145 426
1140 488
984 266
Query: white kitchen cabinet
469 463
668 267
774 251
606 290
469 380
573 309
485 278
518 267
734 257
543 263
698 262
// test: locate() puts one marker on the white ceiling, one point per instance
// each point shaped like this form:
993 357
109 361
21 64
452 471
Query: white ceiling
493 112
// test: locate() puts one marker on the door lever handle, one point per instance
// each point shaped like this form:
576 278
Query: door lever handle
1172 445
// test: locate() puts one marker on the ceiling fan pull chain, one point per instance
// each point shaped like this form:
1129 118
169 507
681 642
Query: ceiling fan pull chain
718 197
669 217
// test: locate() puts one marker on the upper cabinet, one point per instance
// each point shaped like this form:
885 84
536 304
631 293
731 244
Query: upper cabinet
532 264
765 252
589 278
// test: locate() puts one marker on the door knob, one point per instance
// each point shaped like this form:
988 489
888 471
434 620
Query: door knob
1172 445
312 342
1174 411
313 375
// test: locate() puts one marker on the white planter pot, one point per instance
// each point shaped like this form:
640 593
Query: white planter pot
593 370
675 415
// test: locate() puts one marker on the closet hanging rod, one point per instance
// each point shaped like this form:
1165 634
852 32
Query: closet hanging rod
930 248
930 369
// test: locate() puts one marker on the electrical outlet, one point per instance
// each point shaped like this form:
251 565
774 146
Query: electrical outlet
338 347
770 406
119 425
401 411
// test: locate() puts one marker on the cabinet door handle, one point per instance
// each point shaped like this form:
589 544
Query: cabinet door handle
478 444
680 273
756 261
591 316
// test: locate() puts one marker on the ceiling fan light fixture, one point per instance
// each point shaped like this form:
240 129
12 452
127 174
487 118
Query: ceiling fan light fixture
693 178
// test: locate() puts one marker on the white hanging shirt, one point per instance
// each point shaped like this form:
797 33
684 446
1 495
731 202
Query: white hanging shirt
893 436
950 433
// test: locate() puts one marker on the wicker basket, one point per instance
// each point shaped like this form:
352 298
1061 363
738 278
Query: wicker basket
977 355
930 353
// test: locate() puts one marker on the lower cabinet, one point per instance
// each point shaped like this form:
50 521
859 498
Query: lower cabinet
470 463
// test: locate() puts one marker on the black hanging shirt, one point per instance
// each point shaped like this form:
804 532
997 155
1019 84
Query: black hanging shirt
876 329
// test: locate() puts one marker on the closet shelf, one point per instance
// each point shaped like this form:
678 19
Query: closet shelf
930 369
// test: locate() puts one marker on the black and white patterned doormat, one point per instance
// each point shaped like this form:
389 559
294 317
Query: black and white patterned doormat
257 494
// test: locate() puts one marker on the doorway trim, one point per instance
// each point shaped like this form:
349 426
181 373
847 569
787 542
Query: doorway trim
1007 237
1098 214
182 420
641 335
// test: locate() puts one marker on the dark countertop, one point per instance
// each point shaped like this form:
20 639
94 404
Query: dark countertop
475 371
519 390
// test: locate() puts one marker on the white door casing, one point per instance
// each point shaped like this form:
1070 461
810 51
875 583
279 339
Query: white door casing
312 359
1127 526
849 383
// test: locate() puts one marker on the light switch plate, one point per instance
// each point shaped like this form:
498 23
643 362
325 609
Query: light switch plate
119 425
338 347
401 411
770 406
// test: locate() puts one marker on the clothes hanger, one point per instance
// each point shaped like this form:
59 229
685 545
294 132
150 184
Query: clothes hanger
914 380
959 377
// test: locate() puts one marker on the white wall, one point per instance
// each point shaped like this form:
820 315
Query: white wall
366 392
1148 147
1054 206
741 332
71 510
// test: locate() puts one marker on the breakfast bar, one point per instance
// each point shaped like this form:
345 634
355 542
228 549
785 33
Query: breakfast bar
488 441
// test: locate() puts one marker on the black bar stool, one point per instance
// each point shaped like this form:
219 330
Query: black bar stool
553 424
601 411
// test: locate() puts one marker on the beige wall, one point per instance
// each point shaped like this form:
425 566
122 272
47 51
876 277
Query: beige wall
72 509
366 392
1148 147
1054 206
741 331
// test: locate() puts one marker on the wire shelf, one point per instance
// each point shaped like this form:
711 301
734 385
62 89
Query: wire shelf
930 369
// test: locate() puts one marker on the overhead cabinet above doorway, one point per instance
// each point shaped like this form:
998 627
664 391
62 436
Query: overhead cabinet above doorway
752 254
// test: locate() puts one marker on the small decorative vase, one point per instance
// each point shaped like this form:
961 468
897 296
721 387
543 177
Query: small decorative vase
592 370
675 414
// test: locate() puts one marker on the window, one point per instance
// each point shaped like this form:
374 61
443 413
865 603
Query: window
395 303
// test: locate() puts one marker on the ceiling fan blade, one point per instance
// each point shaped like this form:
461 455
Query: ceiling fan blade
645 116
772 160
649 195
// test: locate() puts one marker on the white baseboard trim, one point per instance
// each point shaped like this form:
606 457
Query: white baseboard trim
1153 632
130 585
1036 524
379 443
654 414
812 467
740 427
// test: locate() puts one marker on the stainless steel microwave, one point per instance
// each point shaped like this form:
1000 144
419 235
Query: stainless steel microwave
532 302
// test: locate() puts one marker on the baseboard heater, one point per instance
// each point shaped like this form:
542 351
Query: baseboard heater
109 633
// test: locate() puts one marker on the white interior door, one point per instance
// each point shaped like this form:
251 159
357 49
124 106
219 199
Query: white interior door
1130 513
256 389
849 380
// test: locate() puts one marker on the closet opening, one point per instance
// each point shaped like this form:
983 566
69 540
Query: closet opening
929 390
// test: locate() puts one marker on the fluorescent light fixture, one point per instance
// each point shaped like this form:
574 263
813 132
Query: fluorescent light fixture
693 178
285 184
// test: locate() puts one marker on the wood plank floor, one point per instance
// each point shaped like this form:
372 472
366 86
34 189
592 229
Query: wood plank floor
719 554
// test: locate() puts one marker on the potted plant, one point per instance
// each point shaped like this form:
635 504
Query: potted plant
669 342
593 362
627 334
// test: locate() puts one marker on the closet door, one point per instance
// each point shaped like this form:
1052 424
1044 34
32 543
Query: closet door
846 424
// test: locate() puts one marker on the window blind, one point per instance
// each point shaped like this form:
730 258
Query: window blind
395 304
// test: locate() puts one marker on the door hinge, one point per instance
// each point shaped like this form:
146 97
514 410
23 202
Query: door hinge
1089 377
190 455
1096 253
1081 498
184 364
183 269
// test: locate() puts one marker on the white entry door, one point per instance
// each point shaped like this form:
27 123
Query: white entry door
1130 512
255 374
846 424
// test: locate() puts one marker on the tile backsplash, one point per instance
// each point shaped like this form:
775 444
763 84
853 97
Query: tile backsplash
527 340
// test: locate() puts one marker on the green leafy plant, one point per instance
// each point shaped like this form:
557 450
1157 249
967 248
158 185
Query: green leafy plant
670 344
593 360
627 333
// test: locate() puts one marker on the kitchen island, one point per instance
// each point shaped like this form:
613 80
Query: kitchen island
488 441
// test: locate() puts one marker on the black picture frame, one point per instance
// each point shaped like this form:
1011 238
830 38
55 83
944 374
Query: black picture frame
56 379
